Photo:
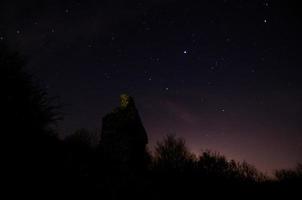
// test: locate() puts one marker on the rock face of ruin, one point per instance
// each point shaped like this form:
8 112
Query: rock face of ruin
123 137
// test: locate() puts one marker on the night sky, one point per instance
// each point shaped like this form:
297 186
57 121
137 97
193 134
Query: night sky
223 74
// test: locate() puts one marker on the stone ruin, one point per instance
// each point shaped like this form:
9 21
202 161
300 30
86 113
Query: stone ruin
123 137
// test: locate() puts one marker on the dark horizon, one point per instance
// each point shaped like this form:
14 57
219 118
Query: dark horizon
224 75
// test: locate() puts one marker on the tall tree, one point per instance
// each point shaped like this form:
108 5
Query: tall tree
25 106
28 114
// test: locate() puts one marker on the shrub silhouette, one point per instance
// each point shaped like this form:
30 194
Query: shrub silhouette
290 175
81 155
171 155
216 167
214 164
83 137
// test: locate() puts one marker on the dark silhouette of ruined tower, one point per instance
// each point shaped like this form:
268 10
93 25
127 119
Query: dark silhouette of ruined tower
123 137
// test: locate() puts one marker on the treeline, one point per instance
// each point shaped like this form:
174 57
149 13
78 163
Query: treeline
36 161
173 171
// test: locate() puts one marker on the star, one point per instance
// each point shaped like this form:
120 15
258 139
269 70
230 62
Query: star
221 109
265 20
107 75
185 51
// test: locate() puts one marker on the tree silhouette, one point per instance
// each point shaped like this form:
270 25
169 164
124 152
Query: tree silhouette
27 108
32 149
